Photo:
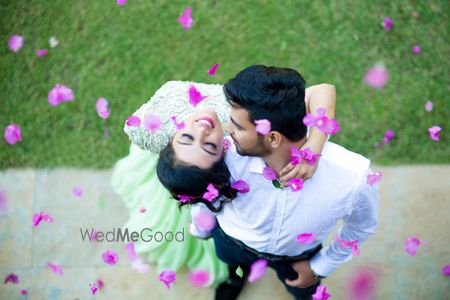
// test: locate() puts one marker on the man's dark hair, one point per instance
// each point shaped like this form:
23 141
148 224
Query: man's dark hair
272 93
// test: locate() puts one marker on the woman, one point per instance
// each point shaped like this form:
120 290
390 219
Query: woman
135 179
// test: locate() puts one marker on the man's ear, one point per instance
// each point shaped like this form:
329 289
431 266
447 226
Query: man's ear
274 139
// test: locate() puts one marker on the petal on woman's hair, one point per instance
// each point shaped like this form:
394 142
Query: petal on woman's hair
12 134
241 186
102 107
195 97
168 277
13 278
213 69
257 270
184 198
306 238
211 194
434 132
57 269
15 43
377 76
185 18
198 278
178 126
134 121
263 126
152 123
412 244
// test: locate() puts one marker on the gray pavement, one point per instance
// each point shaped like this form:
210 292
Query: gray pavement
414 202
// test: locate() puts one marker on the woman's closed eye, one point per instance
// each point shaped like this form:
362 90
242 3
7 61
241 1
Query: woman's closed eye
189 139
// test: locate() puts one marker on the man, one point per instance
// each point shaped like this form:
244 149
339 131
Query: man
265 222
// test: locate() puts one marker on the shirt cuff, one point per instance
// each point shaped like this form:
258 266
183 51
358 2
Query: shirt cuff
320 265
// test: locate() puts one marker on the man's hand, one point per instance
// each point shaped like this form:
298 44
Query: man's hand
305 278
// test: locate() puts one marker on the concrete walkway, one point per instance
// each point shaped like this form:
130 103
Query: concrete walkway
415 202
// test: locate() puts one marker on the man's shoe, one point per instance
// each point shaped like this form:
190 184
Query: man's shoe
232 287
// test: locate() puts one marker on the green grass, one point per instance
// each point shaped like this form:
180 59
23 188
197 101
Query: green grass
125 53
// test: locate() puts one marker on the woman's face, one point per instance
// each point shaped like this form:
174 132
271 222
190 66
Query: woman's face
200 142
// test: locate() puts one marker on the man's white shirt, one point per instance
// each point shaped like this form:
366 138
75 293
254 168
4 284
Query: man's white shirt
269 219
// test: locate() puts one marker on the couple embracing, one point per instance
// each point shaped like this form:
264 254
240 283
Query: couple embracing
242 154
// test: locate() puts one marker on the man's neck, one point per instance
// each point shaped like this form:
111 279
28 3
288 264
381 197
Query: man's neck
282 156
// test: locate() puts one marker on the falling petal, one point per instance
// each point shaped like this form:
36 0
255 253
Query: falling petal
353 245
185 19
388 136
263 126
434 132
269 173
205 221
387 24
41 52
374 178
195 97
58 270
211 194
377 76
15 43
106 134
53 42
168 277
198 278
306 238
152 123
257 270
12 134
362 283
93 288
3 202
241 186
23 292
41 216
134 121
13 278
121 2
321 293
142 210
412 244
60 93
226 144
446 270
178 126
102 108
416 49
100 284
136 261
110 257
77 191
429 106
296 184
213 69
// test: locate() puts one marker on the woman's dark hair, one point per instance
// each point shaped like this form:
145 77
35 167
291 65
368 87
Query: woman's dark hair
272 93
189 180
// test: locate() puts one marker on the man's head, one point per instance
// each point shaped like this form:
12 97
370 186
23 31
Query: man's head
261 92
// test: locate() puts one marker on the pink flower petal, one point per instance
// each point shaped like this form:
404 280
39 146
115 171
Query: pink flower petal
134 121
362 284
198 278
205 221
178 126
226 144
58 270
213 69
412 244
106 134
23 292
321 293
377 76
131 253
142 210
434 132
429 106
195 97
152 123
121 2
12 134
306 238
184 198
77 191
185 19
211 194
353 245
13 278
41 216
102 108
100 284
416 49
296 184
446 270
263 126
168 277
374 178
269 173
15 43
41 52
59 94
136 261
387 23
3 202
93 288
257 270
110 257
241 186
